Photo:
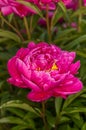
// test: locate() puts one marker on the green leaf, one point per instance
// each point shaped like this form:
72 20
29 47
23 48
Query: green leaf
20 127
58 104
62 6
74 110
12 120
76 42
84 127
71 98
79 11
64 119
10 17
17 112
77 122
3 40
18 104
80 53
1 83
63 127
9 35
51 119
64 9
56 16
64 34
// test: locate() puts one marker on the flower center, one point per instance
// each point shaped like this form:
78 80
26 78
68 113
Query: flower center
54 67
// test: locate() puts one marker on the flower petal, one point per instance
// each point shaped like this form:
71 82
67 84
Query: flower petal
30 84
12 68
70 86
6 10
21 53
16 82
43 80
31 45
39 96
74 67
22 68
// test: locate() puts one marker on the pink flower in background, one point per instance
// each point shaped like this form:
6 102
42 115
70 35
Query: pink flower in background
66 2
46 70
73 4
73 25
84 2
13 6
51 3
48 1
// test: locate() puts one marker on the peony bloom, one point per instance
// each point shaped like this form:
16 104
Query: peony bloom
73 4
51 3
46 70
48 1
84 2
13 6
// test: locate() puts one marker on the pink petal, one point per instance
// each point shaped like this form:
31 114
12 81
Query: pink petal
6 10
21 53
16 82
69 87
43 80
39 96
31 45
12 68
74 67
22 68
20 10
30 84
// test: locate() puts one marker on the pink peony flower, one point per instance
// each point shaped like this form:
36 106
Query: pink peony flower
73 4
51 3
84 2
13 6
46 70
48 1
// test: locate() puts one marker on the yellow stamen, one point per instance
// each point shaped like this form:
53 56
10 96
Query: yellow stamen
54 67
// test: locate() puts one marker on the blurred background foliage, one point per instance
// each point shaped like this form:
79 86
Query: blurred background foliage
68 30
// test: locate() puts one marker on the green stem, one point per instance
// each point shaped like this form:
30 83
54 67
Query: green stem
43 116
57 122
48 23
11 26
80 17
15 23
27 28
31 23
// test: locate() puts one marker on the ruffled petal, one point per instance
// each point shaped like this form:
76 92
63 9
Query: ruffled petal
21 53
64 61
22 69
74 67
70 86
20 10
43 80
6 10
31 45
30 84
17 83
39 96
12 68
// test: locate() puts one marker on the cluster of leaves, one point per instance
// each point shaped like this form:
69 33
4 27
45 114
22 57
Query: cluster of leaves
16 112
